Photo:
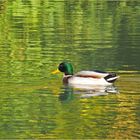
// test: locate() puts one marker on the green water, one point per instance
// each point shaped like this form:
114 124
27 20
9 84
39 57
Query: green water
35 36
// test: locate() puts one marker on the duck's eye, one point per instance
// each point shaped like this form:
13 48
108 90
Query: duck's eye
61 67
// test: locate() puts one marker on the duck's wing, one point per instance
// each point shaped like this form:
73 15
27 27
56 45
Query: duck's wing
109 77
92 74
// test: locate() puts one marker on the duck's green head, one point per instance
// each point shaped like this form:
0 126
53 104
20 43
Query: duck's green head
65 67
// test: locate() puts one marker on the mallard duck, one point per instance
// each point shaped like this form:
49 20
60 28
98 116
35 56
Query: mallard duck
92 78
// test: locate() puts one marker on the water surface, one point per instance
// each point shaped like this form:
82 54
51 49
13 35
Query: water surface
37 35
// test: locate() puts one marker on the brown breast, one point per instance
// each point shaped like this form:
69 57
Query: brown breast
65 79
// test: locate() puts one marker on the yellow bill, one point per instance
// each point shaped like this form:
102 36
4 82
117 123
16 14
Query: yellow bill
56 71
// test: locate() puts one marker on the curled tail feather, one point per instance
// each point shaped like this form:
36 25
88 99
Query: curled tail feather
111 77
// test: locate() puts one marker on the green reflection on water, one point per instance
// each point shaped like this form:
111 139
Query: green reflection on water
35 36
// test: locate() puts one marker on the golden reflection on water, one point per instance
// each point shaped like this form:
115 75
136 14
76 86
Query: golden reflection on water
110 116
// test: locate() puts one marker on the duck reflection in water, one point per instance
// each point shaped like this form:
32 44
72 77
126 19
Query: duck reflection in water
68 92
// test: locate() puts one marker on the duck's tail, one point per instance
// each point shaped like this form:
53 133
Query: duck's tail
111 77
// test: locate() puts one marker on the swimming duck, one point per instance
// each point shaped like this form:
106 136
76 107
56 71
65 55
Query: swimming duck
92 78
